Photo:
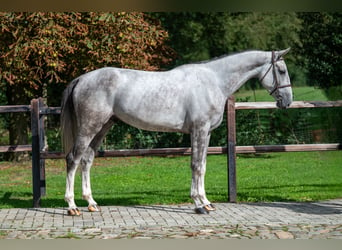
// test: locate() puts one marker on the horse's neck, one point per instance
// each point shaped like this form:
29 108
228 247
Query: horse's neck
235 70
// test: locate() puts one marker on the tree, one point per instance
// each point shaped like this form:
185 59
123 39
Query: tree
195 35
41 52
201 36
322 49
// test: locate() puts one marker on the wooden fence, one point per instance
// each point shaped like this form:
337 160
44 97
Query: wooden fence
39 110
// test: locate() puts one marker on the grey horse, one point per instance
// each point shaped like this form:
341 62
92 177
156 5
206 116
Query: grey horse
188 99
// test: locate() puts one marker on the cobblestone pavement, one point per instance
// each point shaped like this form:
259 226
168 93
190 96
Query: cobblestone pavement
276 220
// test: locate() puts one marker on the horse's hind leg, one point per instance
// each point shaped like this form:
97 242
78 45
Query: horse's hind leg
86 163
69 192
73 159
82 152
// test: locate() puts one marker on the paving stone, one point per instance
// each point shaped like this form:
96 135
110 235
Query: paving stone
284 235
248 220
92 230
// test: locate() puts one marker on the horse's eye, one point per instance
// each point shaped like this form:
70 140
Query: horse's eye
281 68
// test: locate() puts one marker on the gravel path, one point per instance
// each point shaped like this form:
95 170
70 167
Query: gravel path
276 220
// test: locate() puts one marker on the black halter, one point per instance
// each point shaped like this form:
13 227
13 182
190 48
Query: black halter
275 83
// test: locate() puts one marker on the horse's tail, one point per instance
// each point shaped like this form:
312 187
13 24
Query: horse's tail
68 118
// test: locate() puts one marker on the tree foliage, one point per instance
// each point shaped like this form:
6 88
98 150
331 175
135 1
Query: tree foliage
39 48
322 39
201 36
204 35
41 52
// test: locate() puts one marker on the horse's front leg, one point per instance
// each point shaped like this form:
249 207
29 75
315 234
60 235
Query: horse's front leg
199 143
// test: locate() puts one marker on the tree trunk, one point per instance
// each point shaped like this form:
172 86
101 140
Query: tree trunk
18 122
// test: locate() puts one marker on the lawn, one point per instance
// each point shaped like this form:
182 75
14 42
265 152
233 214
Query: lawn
298 176
304 93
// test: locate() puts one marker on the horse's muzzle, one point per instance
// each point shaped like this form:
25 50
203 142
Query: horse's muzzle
283 104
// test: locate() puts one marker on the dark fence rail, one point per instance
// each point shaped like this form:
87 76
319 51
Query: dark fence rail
15 108
15 148
39 110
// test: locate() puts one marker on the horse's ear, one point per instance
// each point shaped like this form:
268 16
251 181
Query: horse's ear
282 53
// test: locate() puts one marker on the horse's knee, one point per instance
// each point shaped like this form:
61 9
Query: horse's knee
198 169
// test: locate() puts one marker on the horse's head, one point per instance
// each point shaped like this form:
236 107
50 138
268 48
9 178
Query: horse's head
275 78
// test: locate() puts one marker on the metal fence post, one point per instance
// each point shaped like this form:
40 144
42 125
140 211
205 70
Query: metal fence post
231 152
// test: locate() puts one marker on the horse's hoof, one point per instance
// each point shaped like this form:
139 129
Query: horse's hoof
201 210
94 208
209 207
74 212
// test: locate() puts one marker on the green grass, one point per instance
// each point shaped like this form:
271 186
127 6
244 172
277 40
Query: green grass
299 176
300 94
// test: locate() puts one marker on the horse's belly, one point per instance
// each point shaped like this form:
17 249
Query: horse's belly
167 121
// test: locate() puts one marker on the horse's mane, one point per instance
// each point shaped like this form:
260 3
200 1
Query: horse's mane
222 56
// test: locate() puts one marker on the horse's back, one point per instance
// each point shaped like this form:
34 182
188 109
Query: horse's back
158 101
